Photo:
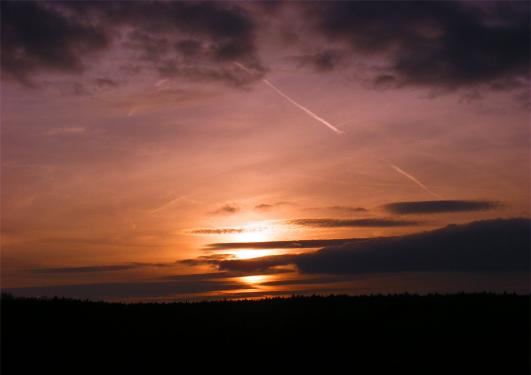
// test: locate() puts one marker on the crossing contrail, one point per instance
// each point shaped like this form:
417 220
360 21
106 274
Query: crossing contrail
292 101
416 181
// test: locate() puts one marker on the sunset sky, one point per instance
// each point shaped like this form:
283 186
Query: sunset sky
146 145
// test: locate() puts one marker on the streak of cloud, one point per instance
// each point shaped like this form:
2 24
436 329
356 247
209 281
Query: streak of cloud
361 223
226 230
174 201
415 180
292 101
440 206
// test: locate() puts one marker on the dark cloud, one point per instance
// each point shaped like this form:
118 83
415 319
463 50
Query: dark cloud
321 280
197 40
338 223
35 37
255 265
231 266
227 209
440 206
347 208
130 290
300 244
321 61
447 44
98 268
483 246
212 260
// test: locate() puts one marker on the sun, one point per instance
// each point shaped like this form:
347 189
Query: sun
254 279
254 232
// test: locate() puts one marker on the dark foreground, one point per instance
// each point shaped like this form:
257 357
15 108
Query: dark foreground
474 334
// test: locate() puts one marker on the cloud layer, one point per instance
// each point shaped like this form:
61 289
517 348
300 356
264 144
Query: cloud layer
447 44
484 246
187 39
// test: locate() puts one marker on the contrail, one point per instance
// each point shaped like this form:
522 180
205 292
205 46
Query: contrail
296 104
412 178
173 201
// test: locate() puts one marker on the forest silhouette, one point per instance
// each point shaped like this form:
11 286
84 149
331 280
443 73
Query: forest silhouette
474 333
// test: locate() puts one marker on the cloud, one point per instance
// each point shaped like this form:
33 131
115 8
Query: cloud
227 209
98 268
212 260
321 61
298 244
448 44
35 37
439 206
269 206
131 290
226 230
194 40
255 265
339 223
217 230
483 246
347 208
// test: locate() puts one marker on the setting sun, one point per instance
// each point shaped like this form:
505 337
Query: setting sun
255 279
256 232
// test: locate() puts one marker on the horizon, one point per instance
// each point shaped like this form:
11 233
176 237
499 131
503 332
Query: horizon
208 150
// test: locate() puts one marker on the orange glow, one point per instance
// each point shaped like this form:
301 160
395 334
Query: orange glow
255 279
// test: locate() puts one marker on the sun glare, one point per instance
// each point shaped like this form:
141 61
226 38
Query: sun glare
253 233
254 279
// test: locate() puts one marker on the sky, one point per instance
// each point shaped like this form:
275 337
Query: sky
203 150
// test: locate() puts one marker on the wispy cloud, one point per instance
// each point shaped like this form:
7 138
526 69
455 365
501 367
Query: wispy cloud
440 206
345 209
338 223
269 206
295 244
228 208
225 230
98 268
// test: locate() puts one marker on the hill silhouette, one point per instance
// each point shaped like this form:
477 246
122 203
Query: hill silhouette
474 333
